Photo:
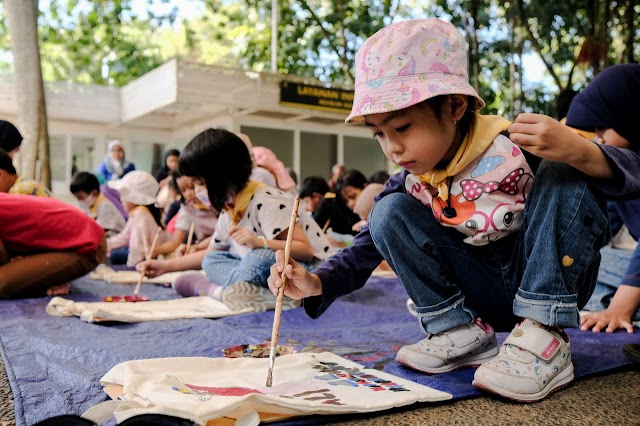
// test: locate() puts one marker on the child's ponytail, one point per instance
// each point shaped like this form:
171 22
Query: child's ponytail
156 213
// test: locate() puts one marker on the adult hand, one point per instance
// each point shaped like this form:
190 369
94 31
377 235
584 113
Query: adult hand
300 283
609 320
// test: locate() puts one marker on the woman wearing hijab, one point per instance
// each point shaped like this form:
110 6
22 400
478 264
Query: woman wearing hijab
114 166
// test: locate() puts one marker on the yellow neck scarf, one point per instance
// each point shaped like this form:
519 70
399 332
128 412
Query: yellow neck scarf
588 135
242 201
94 207
483 131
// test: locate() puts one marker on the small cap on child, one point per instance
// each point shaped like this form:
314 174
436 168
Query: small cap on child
408 62
609 102
136 187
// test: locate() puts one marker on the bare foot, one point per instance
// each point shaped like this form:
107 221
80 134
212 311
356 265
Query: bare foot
59 290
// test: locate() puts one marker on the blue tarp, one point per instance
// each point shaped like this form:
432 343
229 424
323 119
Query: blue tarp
54 364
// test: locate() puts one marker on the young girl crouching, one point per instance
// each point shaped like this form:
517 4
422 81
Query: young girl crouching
480 230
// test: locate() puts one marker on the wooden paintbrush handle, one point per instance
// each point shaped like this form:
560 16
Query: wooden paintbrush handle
190 237
278 312
146 257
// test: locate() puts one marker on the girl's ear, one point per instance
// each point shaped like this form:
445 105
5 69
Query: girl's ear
459 104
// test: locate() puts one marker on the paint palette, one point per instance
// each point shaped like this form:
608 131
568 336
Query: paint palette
257 351
128 298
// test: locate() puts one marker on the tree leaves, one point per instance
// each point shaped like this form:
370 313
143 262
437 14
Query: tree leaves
113 42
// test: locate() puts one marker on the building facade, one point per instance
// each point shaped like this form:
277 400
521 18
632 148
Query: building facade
166 107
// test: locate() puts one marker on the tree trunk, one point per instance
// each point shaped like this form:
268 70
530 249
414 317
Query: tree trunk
32 115
630 31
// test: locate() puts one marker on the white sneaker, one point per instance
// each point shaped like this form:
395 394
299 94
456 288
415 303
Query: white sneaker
533 362
243 294
411 307
468 345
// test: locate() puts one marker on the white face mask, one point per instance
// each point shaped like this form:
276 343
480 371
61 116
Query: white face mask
87 202
201 194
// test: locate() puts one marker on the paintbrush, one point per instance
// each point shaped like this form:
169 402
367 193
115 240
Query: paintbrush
283 278
147 257
190 238
326 225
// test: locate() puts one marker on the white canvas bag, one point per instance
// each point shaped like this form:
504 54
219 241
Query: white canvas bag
203 389
185 307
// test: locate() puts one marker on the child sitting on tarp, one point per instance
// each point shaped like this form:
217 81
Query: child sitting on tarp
192 212
12 183
253 223
327 209
45 243
138 191
86 188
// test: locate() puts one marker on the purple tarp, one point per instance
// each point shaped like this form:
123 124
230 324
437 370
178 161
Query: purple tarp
54 364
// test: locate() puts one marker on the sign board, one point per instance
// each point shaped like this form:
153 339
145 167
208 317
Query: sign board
315 97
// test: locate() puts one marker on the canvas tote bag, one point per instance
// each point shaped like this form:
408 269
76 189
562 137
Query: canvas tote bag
157 310
203 389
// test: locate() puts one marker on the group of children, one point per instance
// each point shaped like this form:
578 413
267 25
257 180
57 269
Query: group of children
490 225
343 209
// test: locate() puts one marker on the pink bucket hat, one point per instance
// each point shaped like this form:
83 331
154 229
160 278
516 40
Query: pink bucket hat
408 62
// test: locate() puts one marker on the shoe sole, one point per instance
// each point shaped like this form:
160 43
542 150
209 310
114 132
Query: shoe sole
243 295
470 362
563 379
632 352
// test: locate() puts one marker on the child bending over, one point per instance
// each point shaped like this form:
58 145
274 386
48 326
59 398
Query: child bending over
481 232
253 223
12 183
86 188
44 244
138 194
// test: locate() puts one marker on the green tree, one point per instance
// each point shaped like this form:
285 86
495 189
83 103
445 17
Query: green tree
105 42
577 38
99 42
316 38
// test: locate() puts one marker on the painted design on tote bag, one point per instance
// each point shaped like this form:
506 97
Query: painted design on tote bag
335 375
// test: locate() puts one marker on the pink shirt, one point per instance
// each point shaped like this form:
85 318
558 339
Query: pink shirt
137 234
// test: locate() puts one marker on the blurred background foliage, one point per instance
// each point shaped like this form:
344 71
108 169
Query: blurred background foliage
522 52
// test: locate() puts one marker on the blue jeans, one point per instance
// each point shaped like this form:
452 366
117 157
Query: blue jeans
224 268
612 270
518 276
119 256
